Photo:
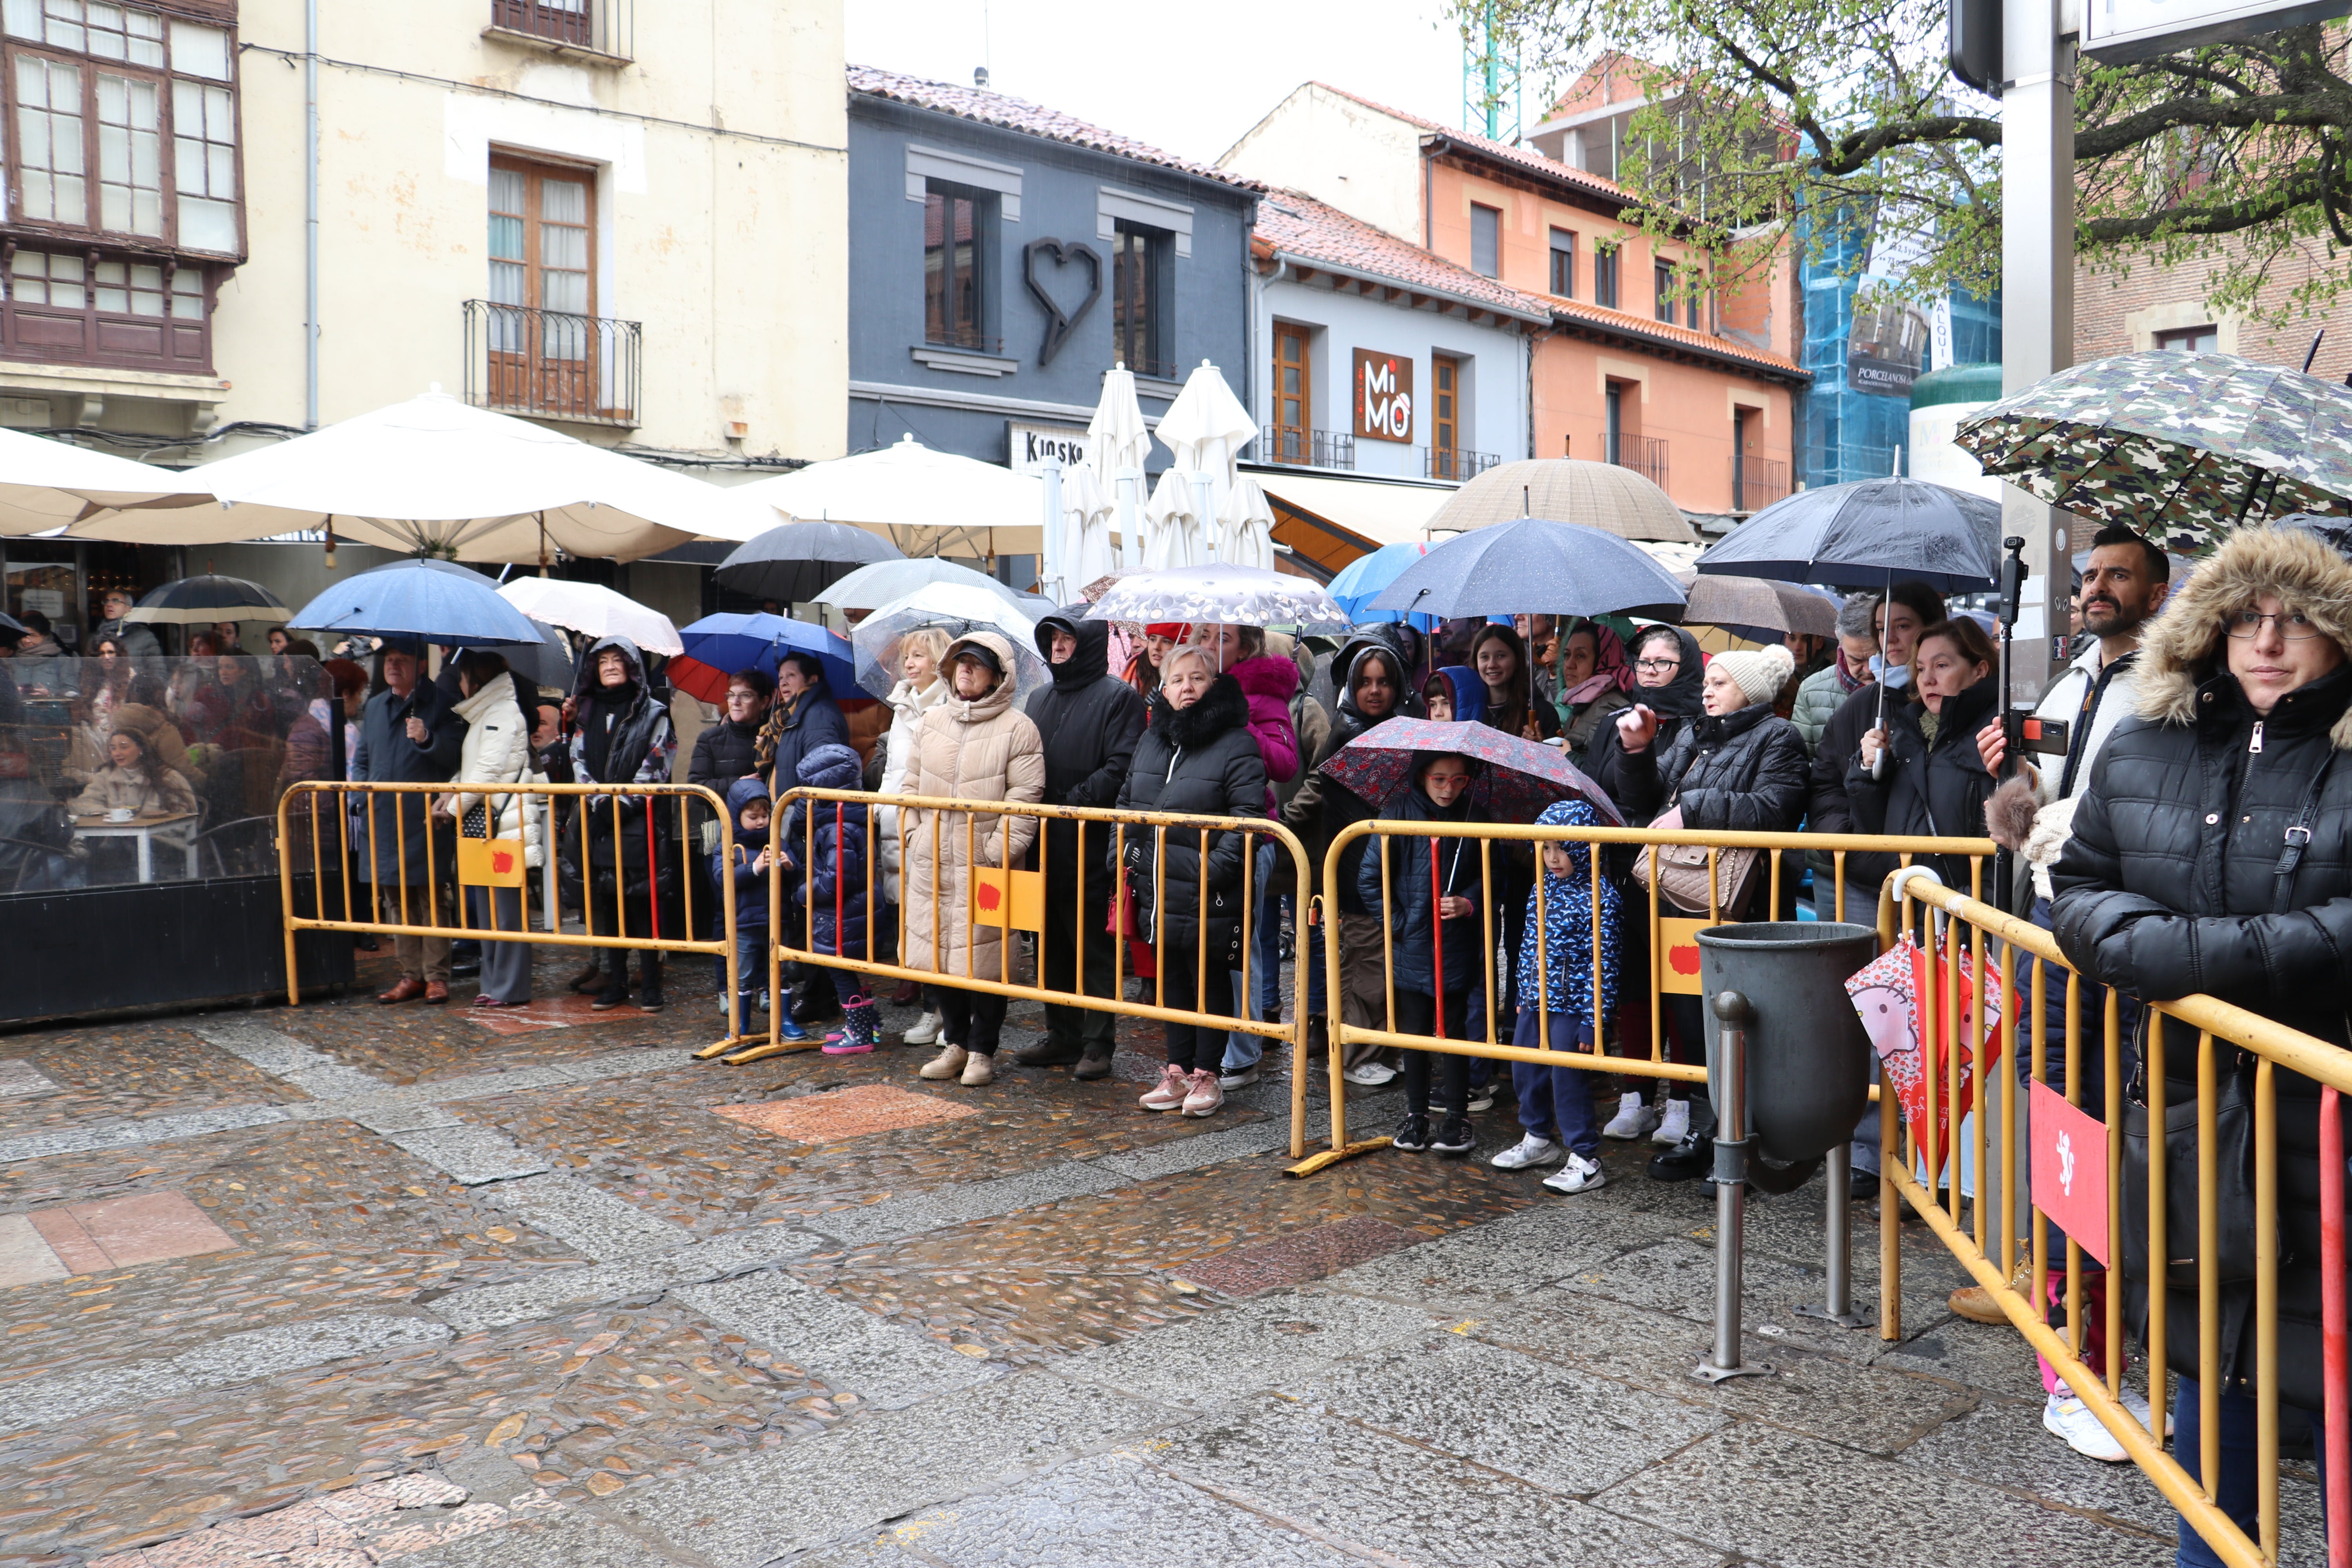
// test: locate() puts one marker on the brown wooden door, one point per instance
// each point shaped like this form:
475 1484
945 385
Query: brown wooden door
543 341
1294 394
1444 425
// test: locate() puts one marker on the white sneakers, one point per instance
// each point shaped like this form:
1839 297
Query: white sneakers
1238 1078
1635 1115
1578 1174
1527 1153
2069 1419
1675 1126
926 1030
1370 1074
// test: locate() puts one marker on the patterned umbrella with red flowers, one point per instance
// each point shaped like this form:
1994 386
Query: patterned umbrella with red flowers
1517 778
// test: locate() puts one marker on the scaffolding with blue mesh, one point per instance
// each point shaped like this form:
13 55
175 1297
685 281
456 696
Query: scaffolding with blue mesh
1490 78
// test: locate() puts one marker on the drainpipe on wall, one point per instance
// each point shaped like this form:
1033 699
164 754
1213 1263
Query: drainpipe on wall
311 214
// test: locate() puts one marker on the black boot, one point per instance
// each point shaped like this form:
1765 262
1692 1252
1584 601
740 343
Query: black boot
1048 1053
649 998
615 988
1094 1063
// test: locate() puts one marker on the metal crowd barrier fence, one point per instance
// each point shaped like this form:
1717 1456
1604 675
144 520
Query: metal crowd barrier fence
335 825
925 825
1672 968
1976 935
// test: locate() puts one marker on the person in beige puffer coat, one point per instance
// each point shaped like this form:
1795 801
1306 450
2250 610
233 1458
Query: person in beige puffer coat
497 751
976 745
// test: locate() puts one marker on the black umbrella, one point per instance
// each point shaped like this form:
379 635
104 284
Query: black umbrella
545 663
201 601
1532 565
1868 534
801 559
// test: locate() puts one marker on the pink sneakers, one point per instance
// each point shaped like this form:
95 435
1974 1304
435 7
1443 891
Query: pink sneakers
1204 1096
1174 1087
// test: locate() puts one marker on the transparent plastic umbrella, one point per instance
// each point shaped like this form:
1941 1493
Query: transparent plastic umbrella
955 608
1224 594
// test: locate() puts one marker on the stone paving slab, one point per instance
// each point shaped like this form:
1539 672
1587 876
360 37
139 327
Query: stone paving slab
849 1349
1282 1341
589 1218
468 1154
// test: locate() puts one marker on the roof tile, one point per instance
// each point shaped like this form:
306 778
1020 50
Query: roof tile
1298 225
1010 113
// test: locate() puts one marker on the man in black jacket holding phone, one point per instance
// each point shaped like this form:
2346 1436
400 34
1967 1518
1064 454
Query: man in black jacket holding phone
408 734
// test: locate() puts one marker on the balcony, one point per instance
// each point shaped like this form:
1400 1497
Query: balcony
594 30
1645 454
1756 482
1453 463
1307 448
551 364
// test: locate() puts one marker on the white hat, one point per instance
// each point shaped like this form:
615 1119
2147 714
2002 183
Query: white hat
1759 673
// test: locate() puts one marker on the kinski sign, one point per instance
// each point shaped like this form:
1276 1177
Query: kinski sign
1383 396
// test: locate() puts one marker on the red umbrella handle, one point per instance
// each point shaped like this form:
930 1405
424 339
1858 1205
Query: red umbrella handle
1437 935
653 885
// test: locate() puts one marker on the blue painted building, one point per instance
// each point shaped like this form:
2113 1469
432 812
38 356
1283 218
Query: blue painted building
1003 256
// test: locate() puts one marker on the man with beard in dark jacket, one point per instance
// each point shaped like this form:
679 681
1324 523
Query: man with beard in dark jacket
1090 721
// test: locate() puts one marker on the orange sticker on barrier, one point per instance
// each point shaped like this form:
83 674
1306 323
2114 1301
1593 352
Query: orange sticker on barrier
489 862
1026 897
1678 954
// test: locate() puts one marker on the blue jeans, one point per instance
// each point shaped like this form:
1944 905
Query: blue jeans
751 959
1556 1103
2234 1492
1243 1050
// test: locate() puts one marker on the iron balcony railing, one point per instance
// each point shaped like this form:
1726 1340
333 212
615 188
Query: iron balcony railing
1307 448
1453 463
1756 482
1645 454
551 364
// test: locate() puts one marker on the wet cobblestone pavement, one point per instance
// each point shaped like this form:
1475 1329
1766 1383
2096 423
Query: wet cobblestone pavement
346 1285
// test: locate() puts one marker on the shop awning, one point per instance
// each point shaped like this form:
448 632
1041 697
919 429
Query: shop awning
1332 520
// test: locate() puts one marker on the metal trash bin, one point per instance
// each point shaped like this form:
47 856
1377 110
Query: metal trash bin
1808 1056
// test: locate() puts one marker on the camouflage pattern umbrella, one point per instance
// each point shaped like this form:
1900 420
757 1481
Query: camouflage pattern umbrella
2181 446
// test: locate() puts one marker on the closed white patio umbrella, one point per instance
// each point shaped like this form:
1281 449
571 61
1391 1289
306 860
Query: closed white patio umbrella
1205 429
433 474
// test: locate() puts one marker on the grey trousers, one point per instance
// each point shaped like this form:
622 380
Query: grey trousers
506 965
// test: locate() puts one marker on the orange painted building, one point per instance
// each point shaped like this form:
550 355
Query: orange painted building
1642 364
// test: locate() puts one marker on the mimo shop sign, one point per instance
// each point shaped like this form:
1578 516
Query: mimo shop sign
1383 396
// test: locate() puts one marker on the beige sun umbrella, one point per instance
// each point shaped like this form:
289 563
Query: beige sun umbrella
1568 489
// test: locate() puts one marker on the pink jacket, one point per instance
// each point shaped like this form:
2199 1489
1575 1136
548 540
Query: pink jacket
1268 683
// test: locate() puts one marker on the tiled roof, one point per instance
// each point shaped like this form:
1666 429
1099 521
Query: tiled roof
1502 151
1018 114
1302 228
1668 334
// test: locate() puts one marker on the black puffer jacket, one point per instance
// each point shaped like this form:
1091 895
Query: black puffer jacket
2170 885
722 754
1929 791
1420 871
1744 772
1677 705
1335 806
1200 760
1090 722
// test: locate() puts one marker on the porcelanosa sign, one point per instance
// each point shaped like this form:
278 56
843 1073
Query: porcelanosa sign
1383 396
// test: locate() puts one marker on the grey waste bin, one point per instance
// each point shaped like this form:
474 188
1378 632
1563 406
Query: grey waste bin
1808 1058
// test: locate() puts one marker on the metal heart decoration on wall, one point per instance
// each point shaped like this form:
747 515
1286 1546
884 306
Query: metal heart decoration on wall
1060 325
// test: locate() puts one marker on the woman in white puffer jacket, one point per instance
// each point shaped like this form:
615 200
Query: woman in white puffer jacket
497 751
922 686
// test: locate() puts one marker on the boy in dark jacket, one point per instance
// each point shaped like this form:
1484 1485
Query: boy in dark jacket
746 864
1434 889
829 863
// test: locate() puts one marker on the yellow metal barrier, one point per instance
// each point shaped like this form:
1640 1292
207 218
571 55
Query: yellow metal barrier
1665 929
632 808
937 812
1989 933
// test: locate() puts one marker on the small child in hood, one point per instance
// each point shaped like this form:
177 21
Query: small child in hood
1564 931
746 864
1434 890
833 886
1454 694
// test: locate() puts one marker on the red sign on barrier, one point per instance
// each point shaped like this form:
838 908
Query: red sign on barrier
2070 1169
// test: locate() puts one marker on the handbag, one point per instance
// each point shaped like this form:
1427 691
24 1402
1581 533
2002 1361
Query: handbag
2233 1134
1680 871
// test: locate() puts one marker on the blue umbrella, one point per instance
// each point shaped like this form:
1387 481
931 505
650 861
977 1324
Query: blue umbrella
1532 565
717 646
1868 534
422 601
1360 579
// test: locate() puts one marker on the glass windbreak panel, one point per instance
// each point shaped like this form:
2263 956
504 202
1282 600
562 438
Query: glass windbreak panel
116 771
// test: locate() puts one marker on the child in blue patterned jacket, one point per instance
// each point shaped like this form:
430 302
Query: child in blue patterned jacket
1567 951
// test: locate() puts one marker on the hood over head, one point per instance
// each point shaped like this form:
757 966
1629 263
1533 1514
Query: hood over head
1000 651
1469 692
1267 674
584 685
741 794
1408 701
2181 648
1091 660
831 766
1680 698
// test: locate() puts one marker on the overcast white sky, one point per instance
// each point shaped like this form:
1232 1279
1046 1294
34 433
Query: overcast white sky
1189 76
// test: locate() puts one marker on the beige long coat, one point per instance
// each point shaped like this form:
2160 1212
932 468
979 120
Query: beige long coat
981 750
